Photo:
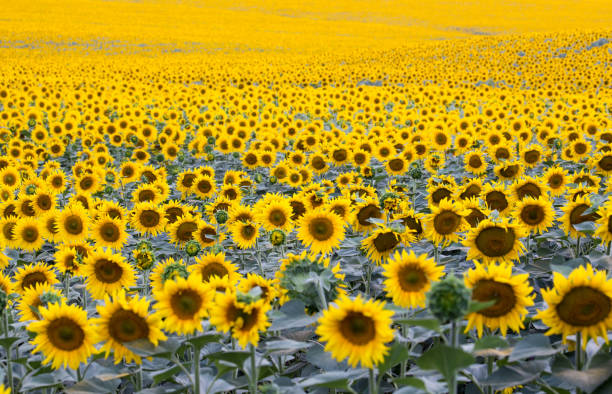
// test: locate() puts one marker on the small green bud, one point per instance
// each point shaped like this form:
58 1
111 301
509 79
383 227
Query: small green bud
192 247
449 299
277 237
221 216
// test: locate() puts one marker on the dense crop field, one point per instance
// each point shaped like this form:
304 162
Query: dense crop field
278 197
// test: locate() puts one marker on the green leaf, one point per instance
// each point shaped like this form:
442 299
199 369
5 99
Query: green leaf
39 381
445 359
476 306
165 374
235 358
285 346
411 382
397 354
535 345
490 342
291 315
7 342
585 227
333 380
94 385
202 340
508 376
428 323
587 380
144 348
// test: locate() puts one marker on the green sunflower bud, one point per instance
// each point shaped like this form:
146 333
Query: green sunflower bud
277 237
192 248
449 299
221 216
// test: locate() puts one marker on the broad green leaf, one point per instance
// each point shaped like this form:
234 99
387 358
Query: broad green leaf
235 358
39 381
144 348
476 306
333 380
410 383
7 342
428 323
201 340
534 345
285 346
397 354
94 385
490 342
588 380
445 359
508 376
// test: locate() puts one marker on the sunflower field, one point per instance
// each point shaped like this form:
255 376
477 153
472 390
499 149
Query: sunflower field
267 196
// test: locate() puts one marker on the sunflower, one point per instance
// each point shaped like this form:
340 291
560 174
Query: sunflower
321 230
531 155
44 200
495 241
341 206
574 213
512 296
276 215
508 171
475 162
183 303
244 319
211 264
535 214
207 235
356 329
602 162
556 178
106 273
580 149
204 186
66 260
382 242
64 335
29 275
477 212
244 234
165 270
148 218
604 223
267 286
109 232
528 187
28 234
182 231
497 198
368 208
582 302
73 224
396 166
409 278
35 297
125 319
445 221
436 192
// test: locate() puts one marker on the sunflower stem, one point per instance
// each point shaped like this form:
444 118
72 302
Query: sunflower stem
579 356
404 364
322 298
253 385
436 254
67 286
9 367
608 250
196 369
578 247
368 278
490 361
452 384
372 383
139 378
